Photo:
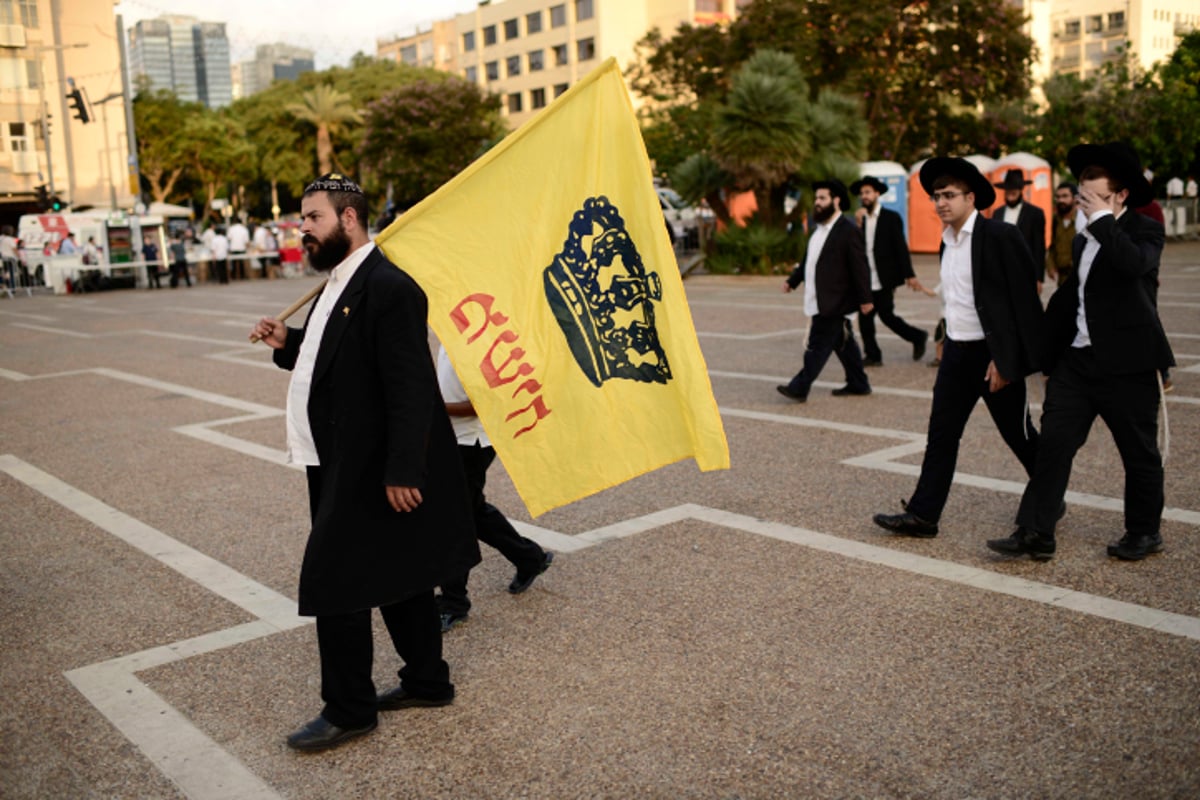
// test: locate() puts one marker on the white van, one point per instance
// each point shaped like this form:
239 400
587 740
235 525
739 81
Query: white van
117 235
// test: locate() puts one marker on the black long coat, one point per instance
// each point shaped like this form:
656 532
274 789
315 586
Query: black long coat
893 263
1004 280
842 276
378 419
1031 222
1120 297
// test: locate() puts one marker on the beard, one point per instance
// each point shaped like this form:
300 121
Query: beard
869 205
325 254
1013 203
1063 209
823 214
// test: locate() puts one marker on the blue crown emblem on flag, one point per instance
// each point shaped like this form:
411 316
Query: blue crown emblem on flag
602 296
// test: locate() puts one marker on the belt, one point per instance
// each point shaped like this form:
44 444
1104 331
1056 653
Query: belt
971 343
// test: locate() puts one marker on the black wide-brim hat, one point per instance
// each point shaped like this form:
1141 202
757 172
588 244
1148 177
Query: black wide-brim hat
964 171
836 188
1119 160
1013 179
868 180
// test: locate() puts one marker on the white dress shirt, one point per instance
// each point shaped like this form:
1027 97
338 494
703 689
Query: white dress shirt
301 447
871 223
1091 247
1012 213
958 289
468 430
816 243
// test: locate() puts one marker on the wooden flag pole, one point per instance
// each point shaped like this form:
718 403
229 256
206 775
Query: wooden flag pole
296 306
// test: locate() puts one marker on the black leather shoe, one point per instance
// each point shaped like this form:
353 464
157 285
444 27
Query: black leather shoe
872 362
1135 547
907 524
396 699
1038 546
321 734
919 346
522 581
786 392
846 391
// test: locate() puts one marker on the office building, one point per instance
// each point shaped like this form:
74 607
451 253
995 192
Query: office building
184 55
272 62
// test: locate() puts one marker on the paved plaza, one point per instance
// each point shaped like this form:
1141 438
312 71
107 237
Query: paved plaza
739 634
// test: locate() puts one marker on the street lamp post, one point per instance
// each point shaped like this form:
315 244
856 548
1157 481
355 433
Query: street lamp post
107 161
45 124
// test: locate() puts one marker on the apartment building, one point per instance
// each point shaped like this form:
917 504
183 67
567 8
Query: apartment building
1087 34
531 51
271 62
44 45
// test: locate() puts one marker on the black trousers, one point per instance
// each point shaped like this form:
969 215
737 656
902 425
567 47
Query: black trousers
1076 394
237 265
885 309
960 383
830 335
220 270
492 528
179 270
346 647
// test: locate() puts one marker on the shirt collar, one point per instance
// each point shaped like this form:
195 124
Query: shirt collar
349 264
968 228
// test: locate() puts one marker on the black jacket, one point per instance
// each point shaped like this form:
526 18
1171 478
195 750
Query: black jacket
893 264
842 276
1120 297
378 419
1031 222
1004 281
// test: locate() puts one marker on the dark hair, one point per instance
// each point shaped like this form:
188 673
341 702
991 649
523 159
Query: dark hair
343 200
942 181
1095 171
1068 185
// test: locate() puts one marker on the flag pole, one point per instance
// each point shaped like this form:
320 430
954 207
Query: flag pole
296 306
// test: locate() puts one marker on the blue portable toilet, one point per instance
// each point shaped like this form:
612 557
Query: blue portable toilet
896 178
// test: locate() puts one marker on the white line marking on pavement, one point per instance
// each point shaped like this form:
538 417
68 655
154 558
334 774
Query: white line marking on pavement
45 329
26 315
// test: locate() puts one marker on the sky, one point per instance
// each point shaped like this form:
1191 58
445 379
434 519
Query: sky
334 29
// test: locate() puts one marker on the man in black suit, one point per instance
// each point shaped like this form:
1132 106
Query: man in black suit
1105 346
390 516
1029 219
993 323
890 265
836 283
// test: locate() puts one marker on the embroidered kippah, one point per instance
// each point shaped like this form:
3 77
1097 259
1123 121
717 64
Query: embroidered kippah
333 182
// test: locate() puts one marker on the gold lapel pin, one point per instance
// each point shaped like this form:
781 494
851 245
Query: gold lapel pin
345 311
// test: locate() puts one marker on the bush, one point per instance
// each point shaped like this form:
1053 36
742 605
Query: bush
754 250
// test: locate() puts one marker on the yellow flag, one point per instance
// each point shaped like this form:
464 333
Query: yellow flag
554 289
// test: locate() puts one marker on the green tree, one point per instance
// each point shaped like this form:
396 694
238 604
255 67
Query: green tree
418 136
328 111
161 120
914 65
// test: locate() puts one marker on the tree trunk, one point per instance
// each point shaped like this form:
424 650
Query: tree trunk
324 150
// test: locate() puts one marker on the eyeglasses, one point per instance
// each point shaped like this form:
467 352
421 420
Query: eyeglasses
939 196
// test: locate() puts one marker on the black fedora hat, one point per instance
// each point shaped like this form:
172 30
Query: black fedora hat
1120 161
964 171
868 180
1013 179
836 188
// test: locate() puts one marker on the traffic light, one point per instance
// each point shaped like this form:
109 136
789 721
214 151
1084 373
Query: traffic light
79 105
43 197
56 205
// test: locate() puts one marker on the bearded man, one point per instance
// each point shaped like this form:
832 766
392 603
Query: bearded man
390 514
836 283
1058 257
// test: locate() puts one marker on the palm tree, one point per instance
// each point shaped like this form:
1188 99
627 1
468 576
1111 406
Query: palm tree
329 111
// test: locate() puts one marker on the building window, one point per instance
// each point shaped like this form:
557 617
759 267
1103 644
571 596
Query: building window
1071 27
29 13
18 142
492 70
514 103
585 49
558 16
1116 20
1094 23
560 55
533 22
408 54
468 41
537 98
537 60
584 10
514 66
489 35
471 74
559 88
512 29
